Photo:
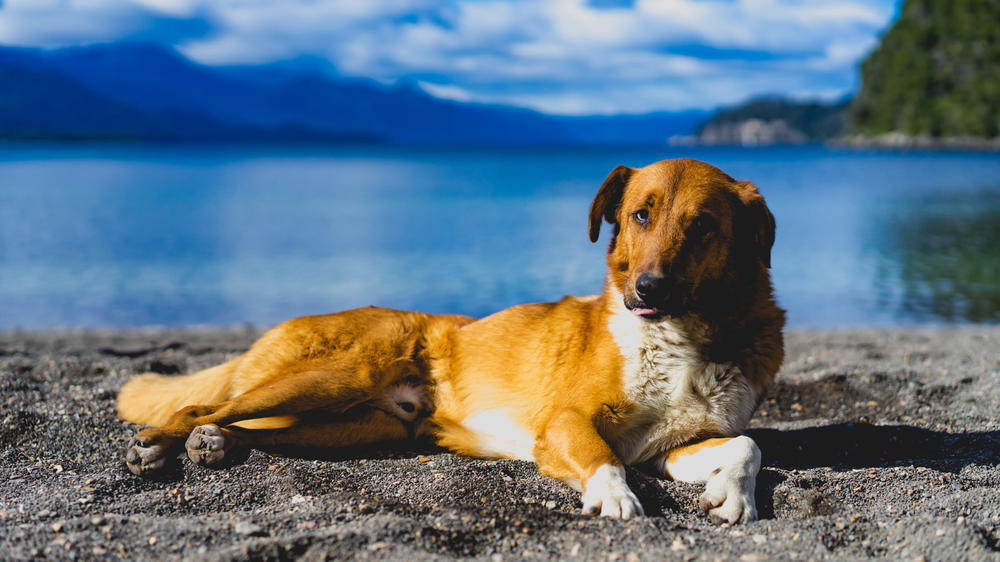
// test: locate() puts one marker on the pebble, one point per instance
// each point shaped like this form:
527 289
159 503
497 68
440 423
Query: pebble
248 529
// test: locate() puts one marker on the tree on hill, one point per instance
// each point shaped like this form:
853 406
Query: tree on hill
936 72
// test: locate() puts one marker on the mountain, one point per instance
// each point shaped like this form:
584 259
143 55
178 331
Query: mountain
303 99
39 104
649 128
49 105
767 121
935 74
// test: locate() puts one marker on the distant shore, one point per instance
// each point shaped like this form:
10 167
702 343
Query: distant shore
877 443
905 141
756 133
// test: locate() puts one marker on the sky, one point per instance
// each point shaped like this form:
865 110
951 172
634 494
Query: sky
556 56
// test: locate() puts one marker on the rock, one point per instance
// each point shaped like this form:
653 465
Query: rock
248 529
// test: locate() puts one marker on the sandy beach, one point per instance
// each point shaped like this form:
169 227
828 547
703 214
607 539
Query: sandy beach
877 444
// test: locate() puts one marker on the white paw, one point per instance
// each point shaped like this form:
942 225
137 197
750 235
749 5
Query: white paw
729 497
608 492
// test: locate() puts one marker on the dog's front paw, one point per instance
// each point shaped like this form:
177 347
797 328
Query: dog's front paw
149 452
729 498
608 492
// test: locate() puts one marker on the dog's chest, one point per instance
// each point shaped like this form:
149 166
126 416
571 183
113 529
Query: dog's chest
674 395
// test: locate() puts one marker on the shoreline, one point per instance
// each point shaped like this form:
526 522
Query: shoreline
916 142
877 442
733 137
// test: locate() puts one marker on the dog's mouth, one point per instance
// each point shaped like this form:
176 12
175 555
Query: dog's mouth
642 309
669 306
646 312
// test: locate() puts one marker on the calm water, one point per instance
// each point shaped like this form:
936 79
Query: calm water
137 236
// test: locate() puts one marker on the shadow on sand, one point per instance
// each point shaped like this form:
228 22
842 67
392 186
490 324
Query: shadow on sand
848 446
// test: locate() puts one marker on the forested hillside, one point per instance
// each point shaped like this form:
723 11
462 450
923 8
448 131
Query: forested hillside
936 73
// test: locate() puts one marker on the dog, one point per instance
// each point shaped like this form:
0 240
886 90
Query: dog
664 368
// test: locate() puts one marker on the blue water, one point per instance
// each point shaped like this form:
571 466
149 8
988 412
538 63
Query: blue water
117 236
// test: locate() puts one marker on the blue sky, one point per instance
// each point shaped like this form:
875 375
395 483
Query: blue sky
558 56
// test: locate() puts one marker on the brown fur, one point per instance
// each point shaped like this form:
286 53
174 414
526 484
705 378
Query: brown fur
724 273
553 369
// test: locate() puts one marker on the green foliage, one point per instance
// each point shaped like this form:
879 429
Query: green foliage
936 72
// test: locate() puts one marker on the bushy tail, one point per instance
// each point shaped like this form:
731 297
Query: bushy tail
151 399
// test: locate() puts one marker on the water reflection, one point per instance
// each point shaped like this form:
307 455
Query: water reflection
942 254
166 236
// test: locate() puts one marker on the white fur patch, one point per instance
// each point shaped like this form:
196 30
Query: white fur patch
699 466
405 401
607 490
730 473
500 436
677 395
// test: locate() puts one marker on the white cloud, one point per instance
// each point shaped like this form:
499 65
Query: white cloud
446 92
50 23
556 55
176 8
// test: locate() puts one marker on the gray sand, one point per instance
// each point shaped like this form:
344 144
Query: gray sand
876 444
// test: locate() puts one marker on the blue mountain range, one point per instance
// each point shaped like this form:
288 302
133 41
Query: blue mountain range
148 92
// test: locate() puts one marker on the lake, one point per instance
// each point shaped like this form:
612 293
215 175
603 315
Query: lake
130 236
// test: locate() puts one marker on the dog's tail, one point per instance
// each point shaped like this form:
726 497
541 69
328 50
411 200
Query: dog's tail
151 399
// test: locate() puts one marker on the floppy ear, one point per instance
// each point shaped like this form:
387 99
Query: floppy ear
760 222
607 200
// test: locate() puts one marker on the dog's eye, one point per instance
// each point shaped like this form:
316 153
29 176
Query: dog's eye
703 225
641 216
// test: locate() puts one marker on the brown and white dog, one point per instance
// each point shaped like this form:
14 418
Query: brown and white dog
666 366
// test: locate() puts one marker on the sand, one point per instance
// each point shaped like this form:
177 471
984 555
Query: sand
877 444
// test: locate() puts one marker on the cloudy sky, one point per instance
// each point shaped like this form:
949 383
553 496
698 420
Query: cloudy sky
558 56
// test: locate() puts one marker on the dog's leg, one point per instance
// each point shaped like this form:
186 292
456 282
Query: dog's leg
571 450
729 468
152 449
368 426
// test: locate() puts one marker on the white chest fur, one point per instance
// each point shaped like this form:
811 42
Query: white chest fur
676 395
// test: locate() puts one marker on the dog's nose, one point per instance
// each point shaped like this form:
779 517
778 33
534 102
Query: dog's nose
647 285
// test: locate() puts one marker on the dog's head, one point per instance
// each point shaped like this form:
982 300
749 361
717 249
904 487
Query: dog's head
685 233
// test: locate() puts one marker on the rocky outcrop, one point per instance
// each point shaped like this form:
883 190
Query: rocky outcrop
751 132
768 121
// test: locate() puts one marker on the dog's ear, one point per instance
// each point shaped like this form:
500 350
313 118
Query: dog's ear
607 200
758 219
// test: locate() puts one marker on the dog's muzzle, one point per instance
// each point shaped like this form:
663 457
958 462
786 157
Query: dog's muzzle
655 297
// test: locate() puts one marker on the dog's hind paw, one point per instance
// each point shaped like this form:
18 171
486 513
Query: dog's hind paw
207 445
147 454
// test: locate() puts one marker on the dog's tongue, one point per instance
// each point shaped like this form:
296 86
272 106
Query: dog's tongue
644 311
